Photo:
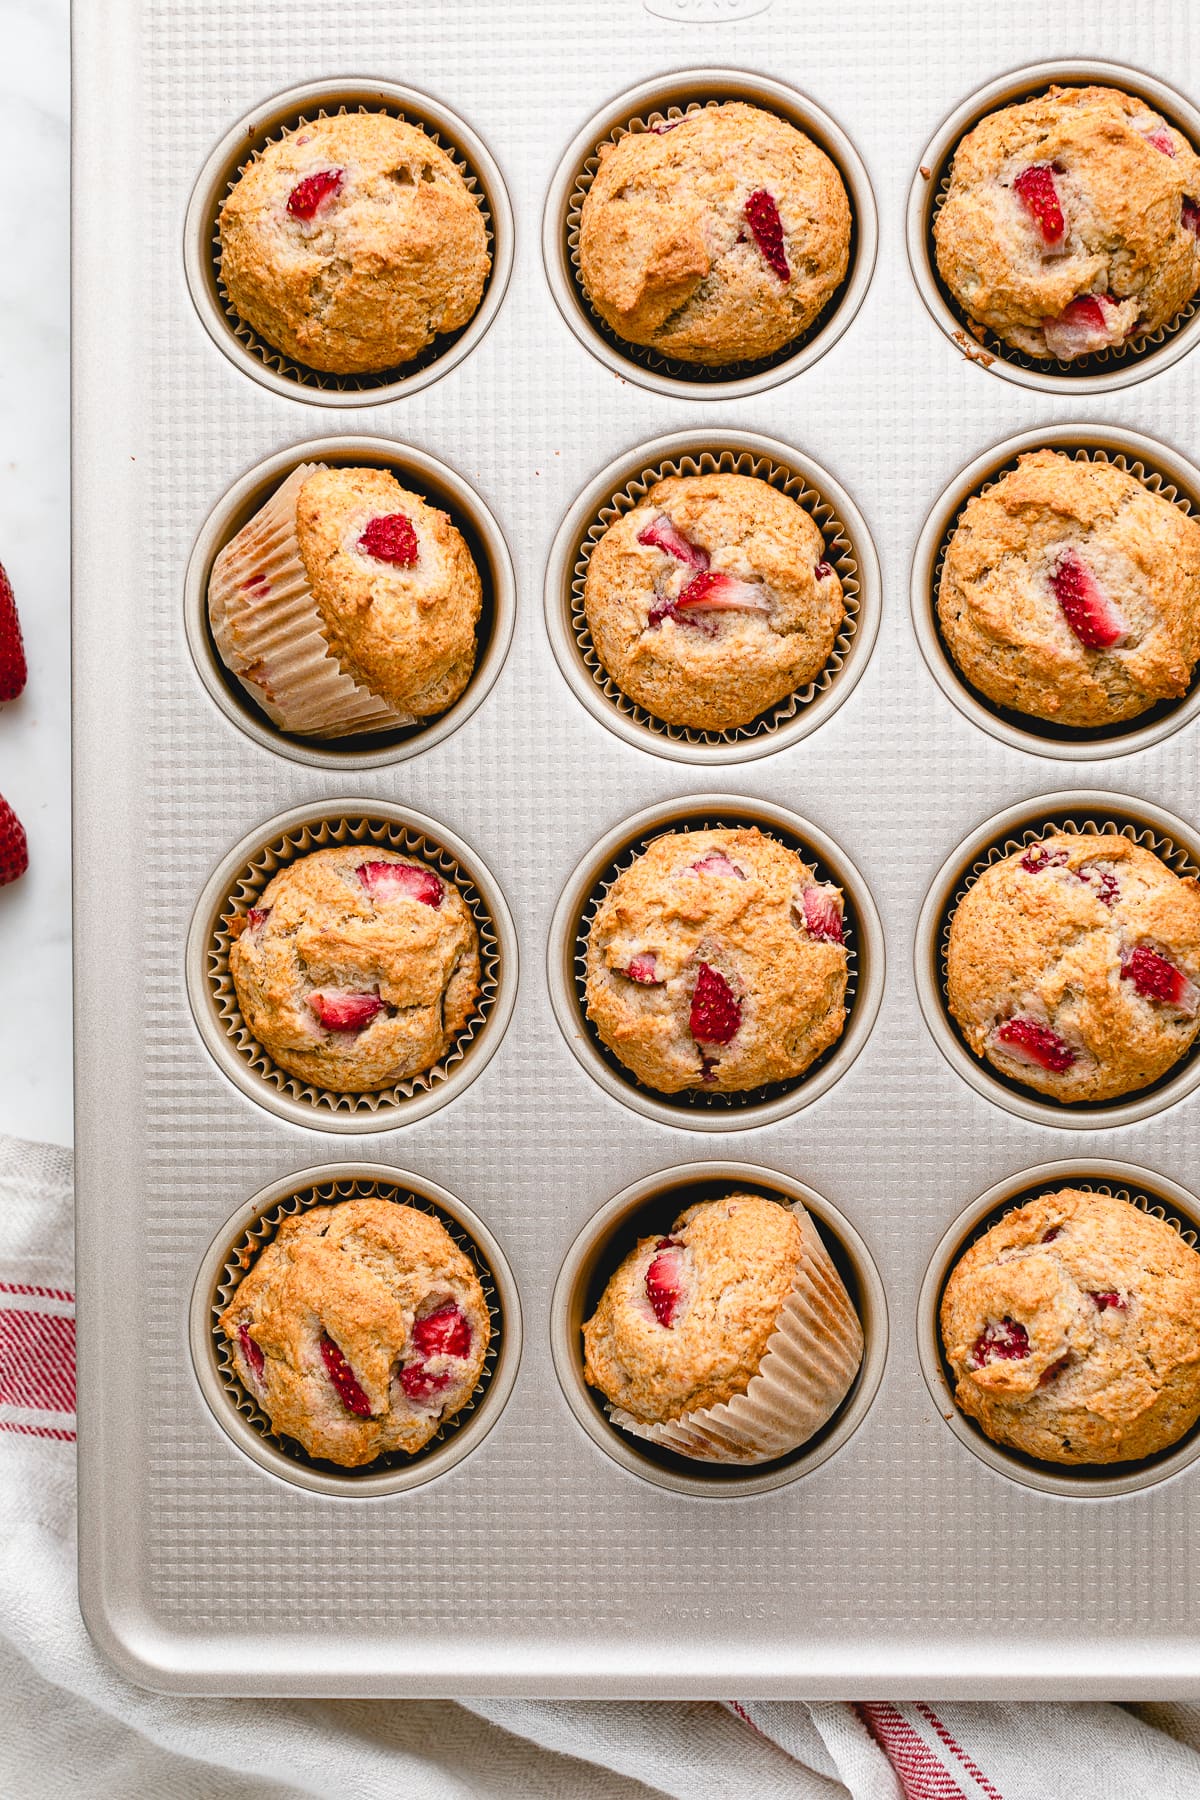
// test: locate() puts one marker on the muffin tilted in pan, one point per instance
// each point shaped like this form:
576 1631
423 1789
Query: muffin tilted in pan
712 600
1073 966
1070 592
347 605
352 242
732 1339
716 238
717 961
359 1330
357 968
1070 226
1073 1330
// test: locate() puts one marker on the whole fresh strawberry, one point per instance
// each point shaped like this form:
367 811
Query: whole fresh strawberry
14 850
12 651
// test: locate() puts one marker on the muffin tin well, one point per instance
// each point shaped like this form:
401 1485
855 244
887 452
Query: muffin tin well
247 139
1161 469
567 950
1155 1194
234 1250
640 109
651 1205
622 486
234 887
421 474
1177 844
1107 370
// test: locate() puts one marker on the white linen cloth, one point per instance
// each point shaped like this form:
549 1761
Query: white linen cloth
69 1725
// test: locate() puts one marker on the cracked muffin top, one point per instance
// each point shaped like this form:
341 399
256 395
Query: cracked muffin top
712 600
1073 1330
359 1329
351 242
357 968
1071 592
1070 226
1073 966
717 238
685 1320
717 960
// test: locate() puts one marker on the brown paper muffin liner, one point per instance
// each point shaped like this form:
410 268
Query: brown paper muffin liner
269 632
806 1372
839 550
699 373
244 1252
700 1099
1150 478
266 353
244 893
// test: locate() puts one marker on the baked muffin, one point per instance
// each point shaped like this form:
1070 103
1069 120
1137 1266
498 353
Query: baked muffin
357 968
1072 966
351 242
741 1288
716 239
347 605
1071 592
717 960
1070 223
712 600
359 1329
1073 1330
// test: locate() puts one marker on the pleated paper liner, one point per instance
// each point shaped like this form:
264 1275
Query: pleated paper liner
1176 856
839 550
700 373
269 631
246 891
266 353
1100 735
702 1099
244 1252
808 1368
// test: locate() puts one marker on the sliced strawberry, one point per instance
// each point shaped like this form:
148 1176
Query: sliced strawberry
309 195
1157 979
1039 857
445 1332
1037 191
252 1355
1084 327
421 1385
1110 1300
1161 141
1085 606
14 846
716 1012
1005 1340
257 916
664 1281
660 534
340 1011
714 591
390 538
13 669
1048 1237
1026 1041
1189 216
762 216
823 914
1103 881
715 862
643 969
401 881
708 1068
696 620
344 1379
823 571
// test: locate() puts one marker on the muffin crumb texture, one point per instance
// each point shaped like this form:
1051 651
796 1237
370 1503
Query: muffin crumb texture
1073 966
716 238
359 1330
1070 225
1073 1330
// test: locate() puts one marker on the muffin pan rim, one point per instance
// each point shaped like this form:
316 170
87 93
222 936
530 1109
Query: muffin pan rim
1137 446
773 96
1003 90
263 478
578 1264
211 183
1067 1481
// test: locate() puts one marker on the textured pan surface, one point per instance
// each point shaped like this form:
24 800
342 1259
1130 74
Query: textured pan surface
902 1564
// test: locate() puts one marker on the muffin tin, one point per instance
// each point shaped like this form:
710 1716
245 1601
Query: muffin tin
533 1549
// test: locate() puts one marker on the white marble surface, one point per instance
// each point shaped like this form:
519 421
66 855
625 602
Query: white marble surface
35 950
